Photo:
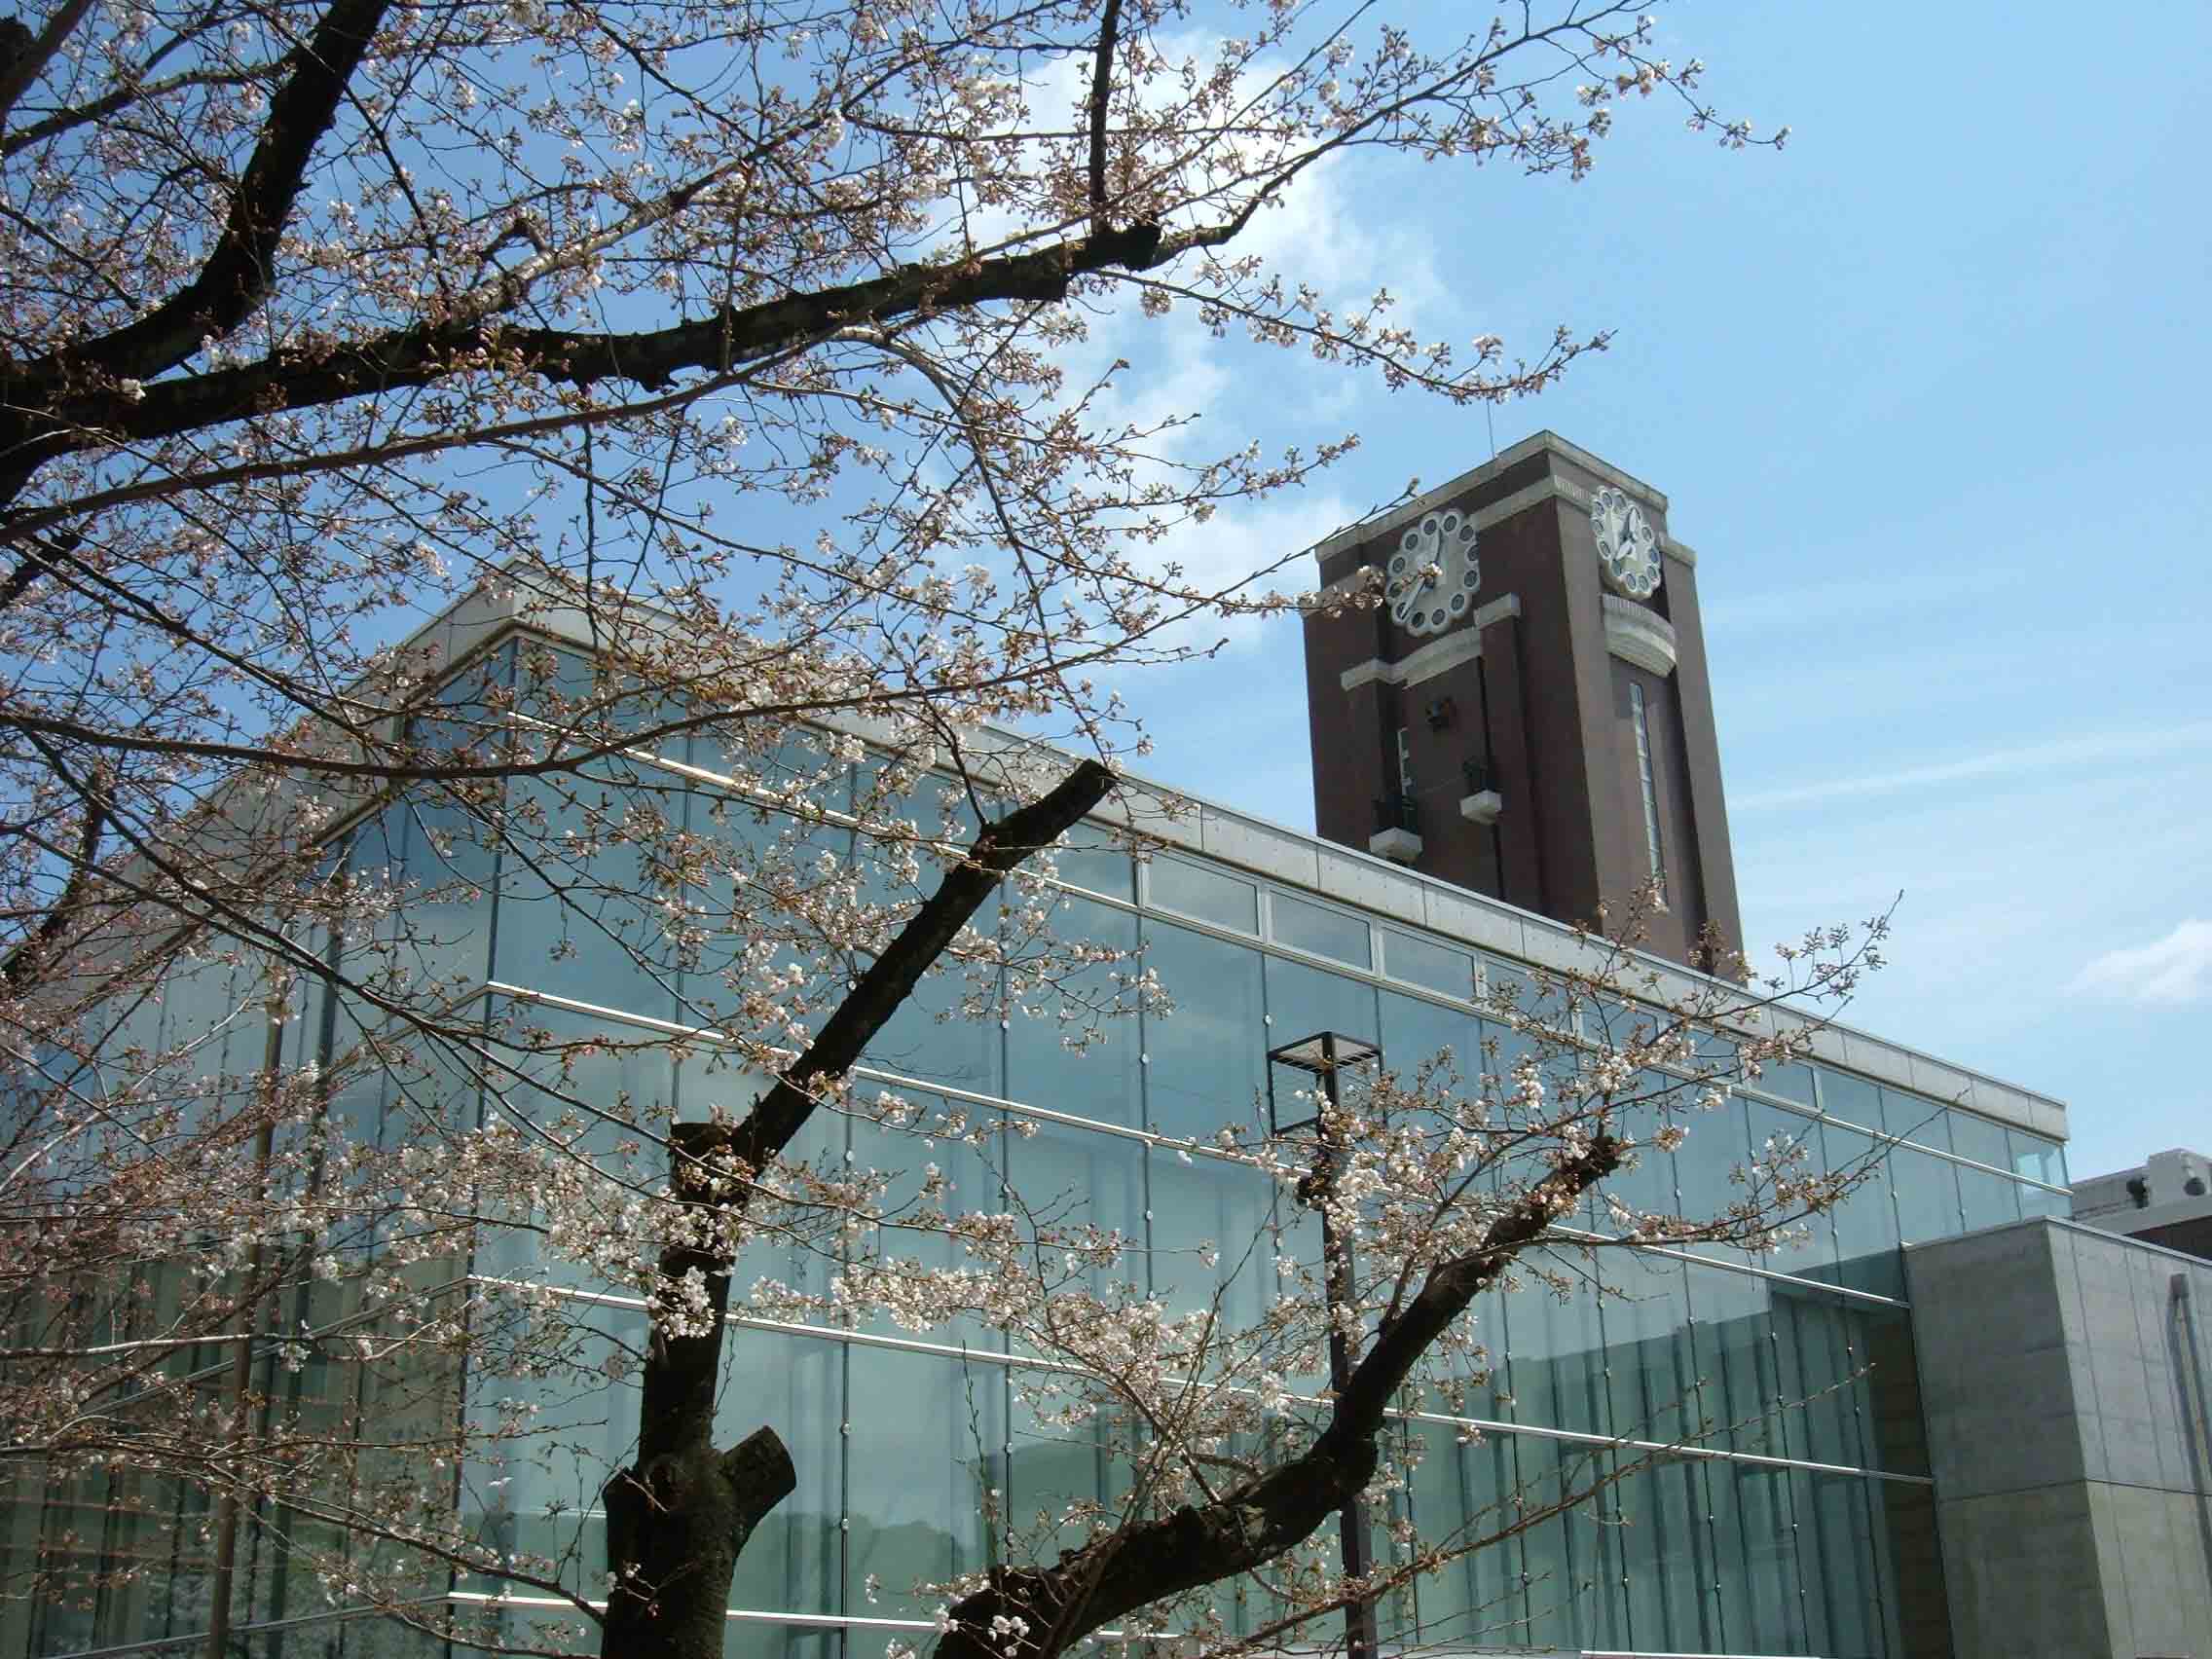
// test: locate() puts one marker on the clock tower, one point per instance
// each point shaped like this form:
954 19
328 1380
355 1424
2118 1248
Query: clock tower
1527 712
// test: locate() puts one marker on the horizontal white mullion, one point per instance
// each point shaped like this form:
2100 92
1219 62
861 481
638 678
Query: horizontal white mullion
1065 1368
1145 1137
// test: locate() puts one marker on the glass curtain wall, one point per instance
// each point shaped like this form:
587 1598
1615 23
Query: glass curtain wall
1772 1537
1757 1418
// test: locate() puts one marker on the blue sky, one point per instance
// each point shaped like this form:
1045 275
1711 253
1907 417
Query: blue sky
1928 394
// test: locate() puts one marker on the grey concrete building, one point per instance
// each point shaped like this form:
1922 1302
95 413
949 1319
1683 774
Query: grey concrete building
2167 1200
2063 1381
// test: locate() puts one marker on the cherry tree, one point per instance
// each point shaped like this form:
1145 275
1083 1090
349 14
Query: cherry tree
743 349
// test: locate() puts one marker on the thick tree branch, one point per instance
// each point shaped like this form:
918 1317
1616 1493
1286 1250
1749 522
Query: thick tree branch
420 357
893 975
1275 1511
21 969
1101 93
238 271
27 55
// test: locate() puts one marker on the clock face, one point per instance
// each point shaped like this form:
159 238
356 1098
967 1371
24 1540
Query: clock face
1433 574
1628 547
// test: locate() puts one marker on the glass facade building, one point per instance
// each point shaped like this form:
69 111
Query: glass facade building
1802 1523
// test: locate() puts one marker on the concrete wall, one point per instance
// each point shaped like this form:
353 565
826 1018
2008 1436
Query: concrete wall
2063 1373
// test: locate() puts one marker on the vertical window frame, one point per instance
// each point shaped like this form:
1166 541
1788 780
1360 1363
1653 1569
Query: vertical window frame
1654 845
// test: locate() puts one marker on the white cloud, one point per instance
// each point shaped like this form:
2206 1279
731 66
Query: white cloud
2176 969
2076 751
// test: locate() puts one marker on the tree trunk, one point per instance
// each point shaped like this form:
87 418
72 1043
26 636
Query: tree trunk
678 1519
678 1522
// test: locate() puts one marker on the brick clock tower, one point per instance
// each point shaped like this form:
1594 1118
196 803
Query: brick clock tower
1528 713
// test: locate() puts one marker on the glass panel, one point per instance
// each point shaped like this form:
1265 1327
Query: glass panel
1915 1618
1206 894
1556 1349
1206 1056
1446 1596
597 1093
1743 1394
1977 1138
927 1178
750 1638
1891 1425
790 763
1092 858
1986 1199
539 1494
1571 1559
202 999
1510 981
1424 962
801 1252
1415 1032
940 808
1837 1559
1865 1221
586 695
1066 1179
2042 1201
1212 1236
1761 1599
1851 1098
1775 1135
1649 1369
1822 1369
1055 1465
1302 1000
1663 1539
1793 1082
1927 1194
1322 931
2036 1158
1389 1517
1649 1187
747 913
795 1385
448 855
1705 1164
925 1465
1489 1479
1067 1048
1913 1118
1473 1382
933 1039
580 922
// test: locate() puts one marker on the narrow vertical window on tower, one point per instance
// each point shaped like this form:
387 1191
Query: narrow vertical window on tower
1405 766
1644 772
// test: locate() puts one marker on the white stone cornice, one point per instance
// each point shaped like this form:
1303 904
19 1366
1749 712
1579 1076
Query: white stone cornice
1639 635
1464 644
1497 512
1544 488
